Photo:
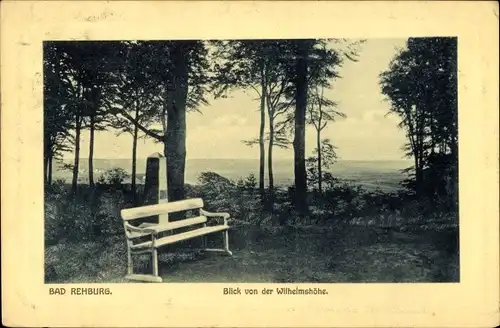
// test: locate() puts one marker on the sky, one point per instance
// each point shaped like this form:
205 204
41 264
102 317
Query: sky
217 132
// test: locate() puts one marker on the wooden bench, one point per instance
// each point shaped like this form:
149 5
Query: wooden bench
152 231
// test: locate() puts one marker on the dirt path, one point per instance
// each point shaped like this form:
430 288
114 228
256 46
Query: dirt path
314 254
348 255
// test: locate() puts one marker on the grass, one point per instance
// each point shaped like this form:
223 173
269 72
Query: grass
308 254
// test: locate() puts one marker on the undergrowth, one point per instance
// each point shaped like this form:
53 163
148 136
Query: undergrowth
85 243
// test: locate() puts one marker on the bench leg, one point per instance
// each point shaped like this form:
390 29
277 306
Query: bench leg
155 262
130 266
225 249
143 277
226 242
204 242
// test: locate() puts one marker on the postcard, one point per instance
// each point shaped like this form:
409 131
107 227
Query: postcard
249 164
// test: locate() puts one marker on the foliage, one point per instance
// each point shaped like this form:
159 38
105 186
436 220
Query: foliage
115 176
339 202
421 85
325 58
57 120
91 214
101 179
250 182
257 65
96 85
315 64
138 85
349 228
269 68
315 167
136 91
321 110
133 85
221 194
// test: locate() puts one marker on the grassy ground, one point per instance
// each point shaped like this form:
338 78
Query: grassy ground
306 254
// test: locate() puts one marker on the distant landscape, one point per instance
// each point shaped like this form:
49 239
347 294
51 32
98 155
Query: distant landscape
301 209
383 174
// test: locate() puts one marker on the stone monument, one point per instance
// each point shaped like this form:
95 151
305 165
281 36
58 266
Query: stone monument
155 186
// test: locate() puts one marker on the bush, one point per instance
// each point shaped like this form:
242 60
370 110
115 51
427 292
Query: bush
86 262
108 217
57 187
340 201
116 176
65 218
86 216
101 180
94 212
223 195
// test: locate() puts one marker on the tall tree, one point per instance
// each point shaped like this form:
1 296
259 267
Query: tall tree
80 76
95 117
260 65
76 100
96 60
277 82
180 70
303 49
137 93
321 111
422 89
57 117
292 64
317 163
315 63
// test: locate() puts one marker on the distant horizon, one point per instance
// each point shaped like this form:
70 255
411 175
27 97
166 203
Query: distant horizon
371 174
246 159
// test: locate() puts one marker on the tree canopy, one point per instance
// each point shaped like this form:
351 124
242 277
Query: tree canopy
421 86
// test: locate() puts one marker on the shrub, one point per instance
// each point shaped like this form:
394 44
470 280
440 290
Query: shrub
250 182
108 219
92 213
116 176
239 199
101 180
65 218
57 187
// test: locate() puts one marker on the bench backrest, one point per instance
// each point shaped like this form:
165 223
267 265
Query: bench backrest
157 209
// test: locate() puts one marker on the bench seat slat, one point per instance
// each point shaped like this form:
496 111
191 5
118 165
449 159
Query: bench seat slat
182 236
180 223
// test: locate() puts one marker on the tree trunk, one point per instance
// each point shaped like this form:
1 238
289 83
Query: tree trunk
134 153
175 138
300 128
418 152
76 162
418 171
49 177
320 173
91 150
454 171
46 157
261 136
45 170
270 162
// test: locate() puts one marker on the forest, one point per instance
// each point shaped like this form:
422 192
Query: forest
345 233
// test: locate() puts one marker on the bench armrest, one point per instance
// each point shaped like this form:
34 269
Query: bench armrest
223 215
142 230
